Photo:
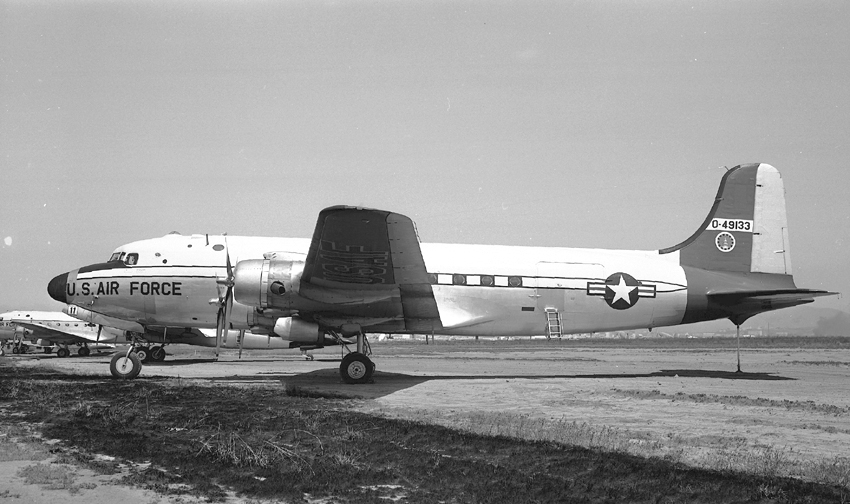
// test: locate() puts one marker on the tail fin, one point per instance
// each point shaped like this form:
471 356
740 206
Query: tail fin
746 229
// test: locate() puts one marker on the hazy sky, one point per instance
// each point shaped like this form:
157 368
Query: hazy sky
585 124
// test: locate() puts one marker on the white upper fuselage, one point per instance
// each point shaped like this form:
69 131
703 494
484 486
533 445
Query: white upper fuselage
57 327
175 280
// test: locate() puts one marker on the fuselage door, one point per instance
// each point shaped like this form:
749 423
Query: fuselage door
562 287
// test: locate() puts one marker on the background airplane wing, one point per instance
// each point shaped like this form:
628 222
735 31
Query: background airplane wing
54 335
369 262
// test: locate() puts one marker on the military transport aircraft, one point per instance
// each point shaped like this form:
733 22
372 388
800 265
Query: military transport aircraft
365 271
57 328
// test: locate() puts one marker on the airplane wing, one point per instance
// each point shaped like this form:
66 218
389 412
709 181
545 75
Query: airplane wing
369 264
51 334
746 304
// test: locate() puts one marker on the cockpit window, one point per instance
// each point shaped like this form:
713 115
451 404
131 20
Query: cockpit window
131 259
116 256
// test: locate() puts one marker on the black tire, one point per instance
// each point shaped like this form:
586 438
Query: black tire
125 366
356 368
63 352
16 350
25 348
84 351
157 354
143 354
48 350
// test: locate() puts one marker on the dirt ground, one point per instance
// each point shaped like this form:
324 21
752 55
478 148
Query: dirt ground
795 402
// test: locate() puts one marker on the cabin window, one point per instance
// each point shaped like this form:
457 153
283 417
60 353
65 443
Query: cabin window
432 278
131 259
459 279
515 281
487 280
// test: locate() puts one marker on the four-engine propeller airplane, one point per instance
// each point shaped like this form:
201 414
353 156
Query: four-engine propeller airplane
365 271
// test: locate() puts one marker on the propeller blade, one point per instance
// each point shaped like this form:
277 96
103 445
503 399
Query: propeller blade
225 303
99 330
219 326
241 340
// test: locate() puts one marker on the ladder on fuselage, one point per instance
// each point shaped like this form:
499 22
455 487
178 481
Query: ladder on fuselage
553 323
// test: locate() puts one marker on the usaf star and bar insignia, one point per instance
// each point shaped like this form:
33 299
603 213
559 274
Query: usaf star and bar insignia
621 291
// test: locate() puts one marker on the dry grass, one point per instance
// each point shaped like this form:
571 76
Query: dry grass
53 477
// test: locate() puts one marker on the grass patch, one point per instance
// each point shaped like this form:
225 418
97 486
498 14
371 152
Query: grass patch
18 442
52 477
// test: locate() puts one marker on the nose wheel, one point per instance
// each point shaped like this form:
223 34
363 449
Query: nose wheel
125 366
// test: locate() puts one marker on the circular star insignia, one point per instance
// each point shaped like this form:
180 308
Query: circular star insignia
621 291
725 242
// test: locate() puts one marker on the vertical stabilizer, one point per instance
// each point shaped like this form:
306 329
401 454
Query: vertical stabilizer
746 230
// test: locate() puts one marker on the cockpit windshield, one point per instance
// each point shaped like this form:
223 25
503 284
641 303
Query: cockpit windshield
116 256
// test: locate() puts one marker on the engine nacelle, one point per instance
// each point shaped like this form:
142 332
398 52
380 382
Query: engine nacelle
293 329
269 282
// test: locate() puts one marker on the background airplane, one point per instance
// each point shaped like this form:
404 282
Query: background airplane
365 271
13 337
50 329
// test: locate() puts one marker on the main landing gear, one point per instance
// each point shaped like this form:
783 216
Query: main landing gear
20 348
150 353
357 367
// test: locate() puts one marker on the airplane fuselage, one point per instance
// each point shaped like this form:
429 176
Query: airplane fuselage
479 289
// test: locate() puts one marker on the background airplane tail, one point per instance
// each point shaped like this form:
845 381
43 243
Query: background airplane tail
746 230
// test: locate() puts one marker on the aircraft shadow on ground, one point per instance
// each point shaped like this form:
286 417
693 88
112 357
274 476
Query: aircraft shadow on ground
327 381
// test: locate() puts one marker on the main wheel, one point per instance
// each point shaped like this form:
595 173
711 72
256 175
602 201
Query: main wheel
84 351
16 350
157 354
143 354
356 368
25 348
63 352
125 366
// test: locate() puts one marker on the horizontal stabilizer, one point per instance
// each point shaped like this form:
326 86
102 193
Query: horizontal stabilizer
745 304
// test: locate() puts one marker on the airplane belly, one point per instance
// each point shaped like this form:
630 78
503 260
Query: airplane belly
472 311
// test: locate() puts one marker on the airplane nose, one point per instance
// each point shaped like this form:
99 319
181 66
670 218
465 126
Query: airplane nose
57 287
